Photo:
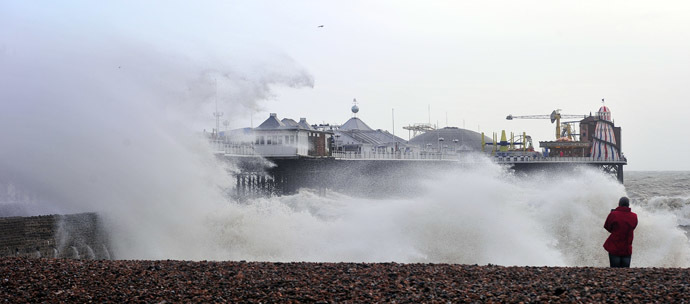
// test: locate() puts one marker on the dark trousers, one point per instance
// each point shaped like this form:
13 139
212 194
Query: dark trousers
619 261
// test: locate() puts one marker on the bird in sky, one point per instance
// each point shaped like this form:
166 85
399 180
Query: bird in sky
320 25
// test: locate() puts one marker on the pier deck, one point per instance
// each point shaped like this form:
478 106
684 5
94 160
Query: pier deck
379 172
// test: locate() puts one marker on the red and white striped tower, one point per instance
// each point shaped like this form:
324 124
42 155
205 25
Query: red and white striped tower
604 140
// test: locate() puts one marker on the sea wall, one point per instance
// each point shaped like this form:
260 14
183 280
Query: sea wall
75 236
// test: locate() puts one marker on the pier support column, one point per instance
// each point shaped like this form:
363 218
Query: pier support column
614 169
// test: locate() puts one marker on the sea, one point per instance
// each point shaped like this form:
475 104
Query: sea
120 142
661 190
110 135
484 214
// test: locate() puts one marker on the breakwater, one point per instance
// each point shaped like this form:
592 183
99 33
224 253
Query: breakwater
76 236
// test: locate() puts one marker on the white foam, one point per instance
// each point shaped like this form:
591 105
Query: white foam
106 133
106 125
480 215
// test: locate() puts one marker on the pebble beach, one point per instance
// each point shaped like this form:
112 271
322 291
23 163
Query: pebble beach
102 281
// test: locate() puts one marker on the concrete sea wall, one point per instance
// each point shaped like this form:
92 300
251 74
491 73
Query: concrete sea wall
76 236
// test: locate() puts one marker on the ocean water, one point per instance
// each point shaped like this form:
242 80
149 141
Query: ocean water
663 191
106 126
477 215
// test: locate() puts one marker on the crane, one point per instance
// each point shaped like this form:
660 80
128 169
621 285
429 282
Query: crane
555 116
419 128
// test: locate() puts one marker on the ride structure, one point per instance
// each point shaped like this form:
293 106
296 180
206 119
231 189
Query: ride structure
598 143
555 116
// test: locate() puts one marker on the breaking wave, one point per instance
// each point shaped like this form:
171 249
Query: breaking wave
478 215
102 125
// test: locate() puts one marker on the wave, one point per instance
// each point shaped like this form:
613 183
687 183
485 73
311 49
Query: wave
470 216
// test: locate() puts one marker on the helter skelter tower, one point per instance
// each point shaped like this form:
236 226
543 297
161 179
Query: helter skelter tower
604 140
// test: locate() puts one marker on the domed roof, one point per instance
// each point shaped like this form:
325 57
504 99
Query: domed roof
355 123
604 113
453 137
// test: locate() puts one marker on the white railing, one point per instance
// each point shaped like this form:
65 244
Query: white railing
409 155
416 155
541 159
248 150
233 149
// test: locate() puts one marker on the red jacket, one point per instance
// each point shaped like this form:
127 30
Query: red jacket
621 223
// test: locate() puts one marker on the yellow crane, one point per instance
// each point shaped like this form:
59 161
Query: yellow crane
555 116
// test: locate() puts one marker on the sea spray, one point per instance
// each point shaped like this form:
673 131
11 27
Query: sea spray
107 125
95 121
480 214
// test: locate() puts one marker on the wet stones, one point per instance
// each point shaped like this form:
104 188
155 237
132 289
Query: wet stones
65 280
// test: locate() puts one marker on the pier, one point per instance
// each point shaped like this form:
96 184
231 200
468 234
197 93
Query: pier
372 173
281 156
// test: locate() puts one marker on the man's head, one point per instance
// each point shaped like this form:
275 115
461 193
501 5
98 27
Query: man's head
624 202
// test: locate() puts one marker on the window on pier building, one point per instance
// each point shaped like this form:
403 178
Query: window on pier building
287 139
259 140
268 140
275 139
292 139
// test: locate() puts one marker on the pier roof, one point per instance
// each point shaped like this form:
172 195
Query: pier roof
372 137
289 122
271 122
355 123
466 139
304 124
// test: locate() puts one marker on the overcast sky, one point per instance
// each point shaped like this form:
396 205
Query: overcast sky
471 62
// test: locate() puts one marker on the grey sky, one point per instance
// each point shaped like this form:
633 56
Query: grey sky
473 62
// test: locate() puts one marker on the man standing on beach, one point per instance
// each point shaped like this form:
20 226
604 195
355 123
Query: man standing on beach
620 223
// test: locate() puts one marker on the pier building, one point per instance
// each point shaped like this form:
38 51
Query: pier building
317 156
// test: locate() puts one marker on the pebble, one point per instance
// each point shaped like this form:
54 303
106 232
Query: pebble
100 281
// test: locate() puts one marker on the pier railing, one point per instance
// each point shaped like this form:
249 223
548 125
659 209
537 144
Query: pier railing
557 159
233 149
248 150
408 155
511 159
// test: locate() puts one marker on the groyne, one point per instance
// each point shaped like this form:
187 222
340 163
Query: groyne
76 236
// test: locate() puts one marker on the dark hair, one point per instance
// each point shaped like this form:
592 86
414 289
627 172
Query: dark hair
624 201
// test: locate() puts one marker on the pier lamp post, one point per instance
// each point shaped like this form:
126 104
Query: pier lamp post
440 141
337 136
455 145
